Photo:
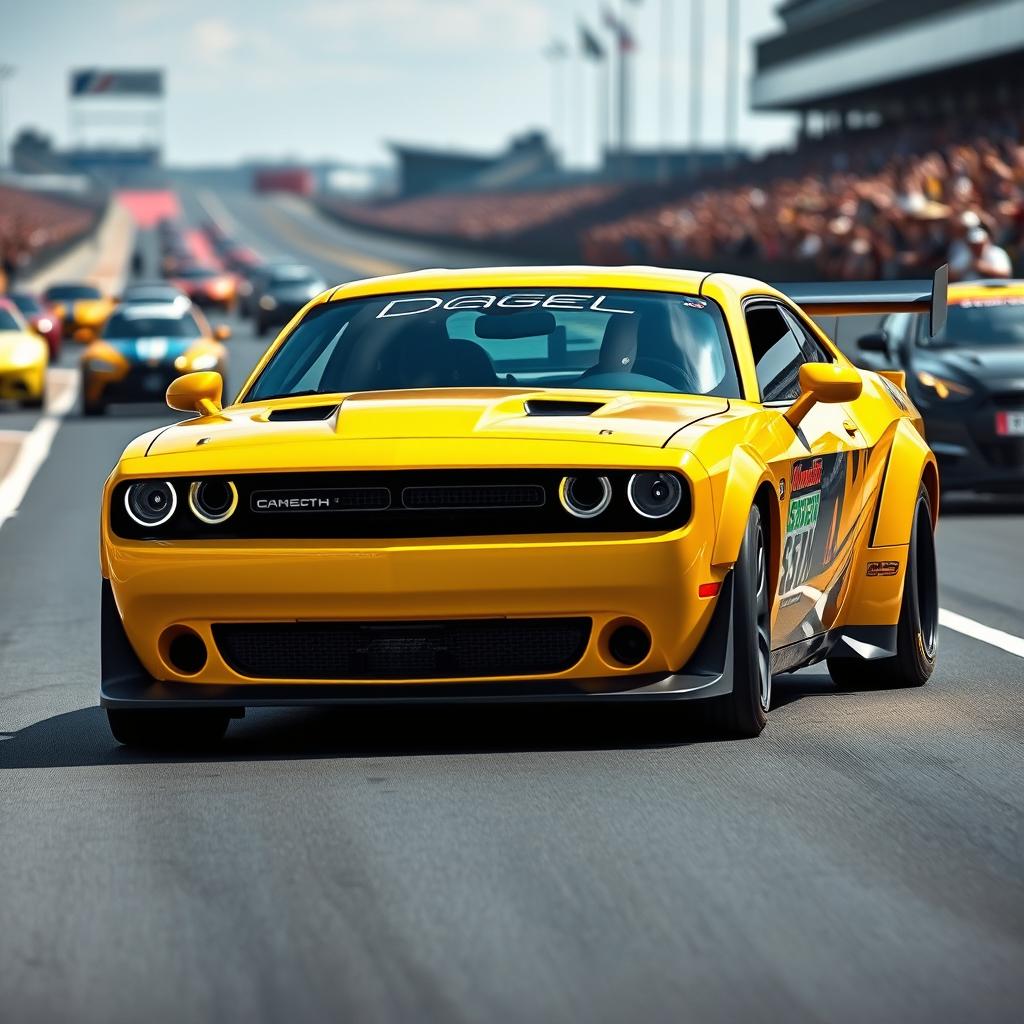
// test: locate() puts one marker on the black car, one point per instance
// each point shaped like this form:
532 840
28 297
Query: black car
967 381
279 291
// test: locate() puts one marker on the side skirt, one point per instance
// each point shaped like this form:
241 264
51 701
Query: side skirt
866 642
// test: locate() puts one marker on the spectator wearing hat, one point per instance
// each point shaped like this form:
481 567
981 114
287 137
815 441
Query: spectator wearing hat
986 258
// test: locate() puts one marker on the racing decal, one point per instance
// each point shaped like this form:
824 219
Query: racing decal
563 301
883 568
817 487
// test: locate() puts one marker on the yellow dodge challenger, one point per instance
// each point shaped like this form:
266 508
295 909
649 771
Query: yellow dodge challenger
547 484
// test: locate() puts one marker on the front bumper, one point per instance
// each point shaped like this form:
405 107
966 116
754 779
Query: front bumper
971 455
138 383
25 382
126 683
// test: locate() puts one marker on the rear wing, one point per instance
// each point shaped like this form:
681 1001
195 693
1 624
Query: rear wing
850 298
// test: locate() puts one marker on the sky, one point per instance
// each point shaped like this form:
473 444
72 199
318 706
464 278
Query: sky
317 79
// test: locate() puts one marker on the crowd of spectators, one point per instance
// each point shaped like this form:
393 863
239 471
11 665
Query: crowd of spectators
885 203
31 223
480 217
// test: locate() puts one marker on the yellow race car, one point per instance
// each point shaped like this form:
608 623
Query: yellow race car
23 359
546 484
80 307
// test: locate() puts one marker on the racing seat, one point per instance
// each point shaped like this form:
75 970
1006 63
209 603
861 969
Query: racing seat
473 366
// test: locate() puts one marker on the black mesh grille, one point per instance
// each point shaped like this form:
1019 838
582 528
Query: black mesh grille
457 649
485 496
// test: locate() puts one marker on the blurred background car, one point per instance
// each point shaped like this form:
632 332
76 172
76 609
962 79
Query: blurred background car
206 286
41 319
78 305
280 291
142 348
151 291
23 359
967 381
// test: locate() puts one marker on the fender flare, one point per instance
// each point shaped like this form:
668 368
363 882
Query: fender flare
910 463
748 473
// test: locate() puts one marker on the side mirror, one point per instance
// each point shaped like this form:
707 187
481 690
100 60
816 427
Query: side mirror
876 341
197 392
222 332
824 382
84 335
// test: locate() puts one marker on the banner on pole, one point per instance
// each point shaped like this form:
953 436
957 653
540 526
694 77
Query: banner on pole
116 82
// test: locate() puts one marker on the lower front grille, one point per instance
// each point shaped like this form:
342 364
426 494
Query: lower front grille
453 649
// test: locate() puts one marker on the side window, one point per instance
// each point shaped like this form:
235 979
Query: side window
777 353
809 344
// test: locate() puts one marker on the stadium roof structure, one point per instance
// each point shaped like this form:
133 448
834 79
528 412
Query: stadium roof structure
865 54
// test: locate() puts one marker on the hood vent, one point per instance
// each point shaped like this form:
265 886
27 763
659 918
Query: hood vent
561 407
302 413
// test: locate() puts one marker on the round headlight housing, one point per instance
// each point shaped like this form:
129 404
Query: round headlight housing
213 501
150 502
586 495
654 495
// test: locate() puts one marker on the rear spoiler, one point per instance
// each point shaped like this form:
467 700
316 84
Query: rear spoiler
849 298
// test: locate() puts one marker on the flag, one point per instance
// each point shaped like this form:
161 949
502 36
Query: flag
590 45
623 37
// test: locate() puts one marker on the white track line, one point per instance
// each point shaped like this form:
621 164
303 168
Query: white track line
34 449
979 631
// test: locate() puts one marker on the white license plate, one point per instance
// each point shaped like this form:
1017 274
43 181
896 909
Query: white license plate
1010 424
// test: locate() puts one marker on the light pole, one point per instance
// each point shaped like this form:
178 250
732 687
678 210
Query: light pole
6 71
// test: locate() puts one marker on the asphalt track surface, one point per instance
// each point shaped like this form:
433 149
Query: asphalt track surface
861 861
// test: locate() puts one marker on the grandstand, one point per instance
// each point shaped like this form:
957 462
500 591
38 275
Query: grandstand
843 63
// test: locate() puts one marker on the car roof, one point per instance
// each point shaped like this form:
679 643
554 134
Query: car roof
967 291
641 278
174 310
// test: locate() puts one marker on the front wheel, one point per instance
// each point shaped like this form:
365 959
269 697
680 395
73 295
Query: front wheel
917 632
177 728
744 712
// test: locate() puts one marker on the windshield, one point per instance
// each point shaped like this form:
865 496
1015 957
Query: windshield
995 321
130 324
195 273
65 292
291 275
28 304
536 338
7 321
151 293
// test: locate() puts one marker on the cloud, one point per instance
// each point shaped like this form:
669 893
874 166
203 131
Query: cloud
438 26
214 38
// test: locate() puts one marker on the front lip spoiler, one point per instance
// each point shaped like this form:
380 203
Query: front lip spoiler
126 684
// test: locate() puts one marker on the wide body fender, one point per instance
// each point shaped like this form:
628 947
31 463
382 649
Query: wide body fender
910 463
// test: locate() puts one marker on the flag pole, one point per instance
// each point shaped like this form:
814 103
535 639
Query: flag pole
732 25
666 85
696 81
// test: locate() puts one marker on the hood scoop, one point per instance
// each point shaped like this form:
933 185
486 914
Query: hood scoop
302 413
561 407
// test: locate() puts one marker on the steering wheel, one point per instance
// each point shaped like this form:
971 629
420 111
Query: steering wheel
668 373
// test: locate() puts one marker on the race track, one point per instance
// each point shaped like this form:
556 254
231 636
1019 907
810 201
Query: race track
861 861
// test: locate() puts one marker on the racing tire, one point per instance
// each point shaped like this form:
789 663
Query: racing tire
917 631
167 728
744 712
93 408
32 403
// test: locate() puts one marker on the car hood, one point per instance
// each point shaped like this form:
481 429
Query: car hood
991 364
17 342
648 421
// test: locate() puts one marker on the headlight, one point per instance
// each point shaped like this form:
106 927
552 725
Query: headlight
151 502
213 501
943 387
585 496
654 495
204 362
44 324
101 365
268 302
25 353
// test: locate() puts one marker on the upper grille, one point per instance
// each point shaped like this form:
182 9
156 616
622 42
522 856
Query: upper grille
481 496
454 649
